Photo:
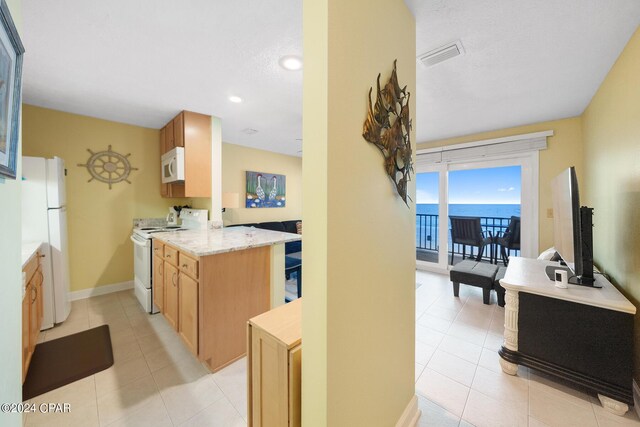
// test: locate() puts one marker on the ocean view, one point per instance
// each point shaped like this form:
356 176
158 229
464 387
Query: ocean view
493 210
426 227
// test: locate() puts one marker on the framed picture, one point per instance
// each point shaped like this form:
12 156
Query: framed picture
266 190
11 52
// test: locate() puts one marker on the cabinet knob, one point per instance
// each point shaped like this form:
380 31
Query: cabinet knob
184 265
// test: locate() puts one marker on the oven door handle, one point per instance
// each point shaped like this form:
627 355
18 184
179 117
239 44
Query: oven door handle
138 242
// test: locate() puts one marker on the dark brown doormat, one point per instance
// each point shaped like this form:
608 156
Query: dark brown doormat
67 359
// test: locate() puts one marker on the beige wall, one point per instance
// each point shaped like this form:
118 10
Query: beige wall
99 219
564 150
11 280
236 160
358 316
611 129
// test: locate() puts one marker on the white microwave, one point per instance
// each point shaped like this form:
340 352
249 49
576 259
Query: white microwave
173 165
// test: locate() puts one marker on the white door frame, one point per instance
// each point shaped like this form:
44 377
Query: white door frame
443 212
529 163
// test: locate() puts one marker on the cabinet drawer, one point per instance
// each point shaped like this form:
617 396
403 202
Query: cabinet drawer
171 255
32 266
188 265
158 248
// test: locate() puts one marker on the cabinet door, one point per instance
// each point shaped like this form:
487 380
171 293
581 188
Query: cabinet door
164 188
169 138
188 312
40 303
178 130
295 386
171 294
33 315
158 282
26 304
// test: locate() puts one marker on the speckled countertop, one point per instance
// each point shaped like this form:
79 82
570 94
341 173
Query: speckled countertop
211 242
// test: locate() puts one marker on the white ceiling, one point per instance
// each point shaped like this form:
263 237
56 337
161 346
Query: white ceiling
142 61
526 61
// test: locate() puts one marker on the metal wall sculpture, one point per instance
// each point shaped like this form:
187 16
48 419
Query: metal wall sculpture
108 167
388 127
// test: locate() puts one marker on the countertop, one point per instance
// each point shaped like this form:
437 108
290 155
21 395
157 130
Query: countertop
29 249
528 275
211 242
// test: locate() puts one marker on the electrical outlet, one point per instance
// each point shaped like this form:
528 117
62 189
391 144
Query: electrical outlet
550 213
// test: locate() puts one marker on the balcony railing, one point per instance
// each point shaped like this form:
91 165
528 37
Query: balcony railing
427 233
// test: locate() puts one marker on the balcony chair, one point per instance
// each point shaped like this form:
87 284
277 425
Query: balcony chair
467 231
510 240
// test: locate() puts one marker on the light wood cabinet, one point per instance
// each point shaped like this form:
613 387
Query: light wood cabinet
188 312
180 305
213 298
188 265
32 310
26 355
158 282
274 364
164 188
170 293
193 132
178 130
169 137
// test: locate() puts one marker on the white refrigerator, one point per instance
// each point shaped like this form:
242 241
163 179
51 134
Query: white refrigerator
44 219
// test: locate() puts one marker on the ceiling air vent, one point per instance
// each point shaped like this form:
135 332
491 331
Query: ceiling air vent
441 54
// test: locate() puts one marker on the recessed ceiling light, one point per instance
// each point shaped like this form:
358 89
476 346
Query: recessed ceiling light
291 62
235 99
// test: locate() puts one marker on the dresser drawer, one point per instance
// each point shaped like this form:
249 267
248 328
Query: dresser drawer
171 255
158 248
189 265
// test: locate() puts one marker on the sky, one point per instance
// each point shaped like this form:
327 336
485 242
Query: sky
474 186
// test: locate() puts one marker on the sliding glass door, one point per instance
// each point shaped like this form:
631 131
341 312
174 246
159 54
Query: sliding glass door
491 191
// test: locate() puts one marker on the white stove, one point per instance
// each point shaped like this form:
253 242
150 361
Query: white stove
192 219
147 232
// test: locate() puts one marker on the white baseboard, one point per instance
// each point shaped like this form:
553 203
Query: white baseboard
100 290
409 417
636 397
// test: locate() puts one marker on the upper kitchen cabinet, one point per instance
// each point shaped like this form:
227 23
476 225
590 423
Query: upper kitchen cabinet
190 168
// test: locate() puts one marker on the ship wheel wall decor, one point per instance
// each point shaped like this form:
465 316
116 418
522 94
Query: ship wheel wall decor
388 127
108 167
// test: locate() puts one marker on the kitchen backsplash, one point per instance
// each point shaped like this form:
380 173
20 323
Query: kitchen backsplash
149 222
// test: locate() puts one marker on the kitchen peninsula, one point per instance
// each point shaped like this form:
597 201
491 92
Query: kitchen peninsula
209 283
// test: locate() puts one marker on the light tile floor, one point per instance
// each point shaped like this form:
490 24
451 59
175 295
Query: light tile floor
458 377
155 381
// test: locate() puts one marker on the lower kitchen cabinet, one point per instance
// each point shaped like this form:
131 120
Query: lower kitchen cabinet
32 310
26 332
274 364
170 310
209 299
188 311
180 302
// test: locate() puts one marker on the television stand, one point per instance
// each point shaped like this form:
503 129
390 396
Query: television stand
581 335
573 280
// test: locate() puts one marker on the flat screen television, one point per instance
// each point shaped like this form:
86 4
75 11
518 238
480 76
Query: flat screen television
572 230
